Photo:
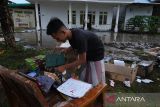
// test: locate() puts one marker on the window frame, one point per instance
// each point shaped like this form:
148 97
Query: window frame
103 18
74 16
82 17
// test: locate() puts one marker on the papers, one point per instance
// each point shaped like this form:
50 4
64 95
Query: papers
107 58
127 83
139 80
112 83
74 88
146 80
118 62
145 63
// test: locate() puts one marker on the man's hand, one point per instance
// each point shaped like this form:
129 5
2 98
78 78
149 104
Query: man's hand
73 75
60 69
81 60
64 50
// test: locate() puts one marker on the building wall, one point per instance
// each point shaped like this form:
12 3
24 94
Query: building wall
60 10
23 18
133 11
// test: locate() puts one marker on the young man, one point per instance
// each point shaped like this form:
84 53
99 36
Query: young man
89 47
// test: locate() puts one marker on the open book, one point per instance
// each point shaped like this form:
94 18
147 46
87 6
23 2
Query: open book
74 88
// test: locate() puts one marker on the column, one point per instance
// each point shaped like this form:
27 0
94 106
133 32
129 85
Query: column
37 17
39 38
117 19
115 37
70 15
86 16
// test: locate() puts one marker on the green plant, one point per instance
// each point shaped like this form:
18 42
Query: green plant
153 23
13 59
144 24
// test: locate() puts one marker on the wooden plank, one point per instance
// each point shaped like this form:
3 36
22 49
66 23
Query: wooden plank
89 98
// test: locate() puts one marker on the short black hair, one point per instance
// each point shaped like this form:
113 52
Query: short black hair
54 25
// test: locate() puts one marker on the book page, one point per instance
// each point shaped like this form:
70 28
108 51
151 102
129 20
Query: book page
74 88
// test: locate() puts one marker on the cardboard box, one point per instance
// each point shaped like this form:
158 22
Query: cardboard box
145 68
120 73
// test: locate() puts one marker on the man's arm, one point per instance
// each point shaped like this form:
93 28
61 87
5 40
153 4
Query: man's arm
80 60
63 50
68 50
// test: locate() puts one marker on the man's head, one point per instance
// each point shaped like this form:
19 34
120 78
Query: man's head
57 30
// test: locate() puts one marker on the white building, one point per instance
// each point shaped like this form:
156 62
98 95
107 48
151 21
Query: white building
76 13
142 8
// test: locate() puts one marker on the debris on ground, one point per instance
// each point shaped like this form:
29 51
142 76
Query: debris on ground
127 83
153 51
28 47
131 52
147 80
139 80
128 51
112 83
1 51
145 68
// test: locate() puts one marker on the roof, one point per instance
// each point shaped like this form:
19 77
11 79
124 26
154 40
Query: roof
96 1
19 1
24 5
17 5
141 1
103 1
147 1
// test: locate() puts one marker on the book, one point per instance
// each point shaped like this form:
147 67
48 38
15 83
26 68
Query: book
45 82
74 88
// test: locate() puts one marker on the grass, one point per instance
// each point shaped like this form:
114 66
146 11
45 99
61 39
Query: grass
14 58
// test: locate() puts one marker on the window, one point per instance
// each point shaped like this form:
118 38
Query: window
93 18
102 18
73 17
92 15
82 17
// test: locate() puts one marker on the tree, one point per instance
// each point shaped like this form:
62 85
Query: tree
7 25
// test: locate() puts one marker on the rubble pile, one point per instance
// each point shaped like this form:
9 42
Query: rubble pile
133 45
126 50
